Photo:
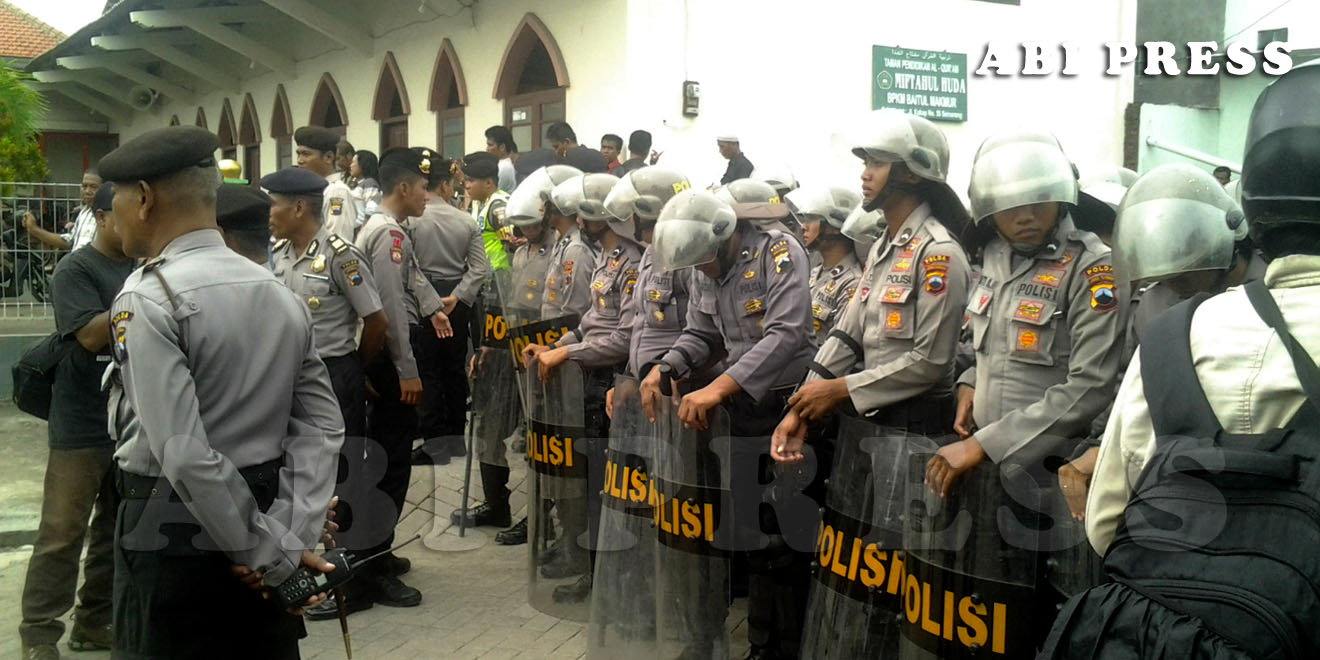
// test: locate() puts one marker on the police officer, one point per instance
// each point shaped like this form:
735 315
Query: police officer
480 174
243 214
224 417
333 279
600 342
822 210
408 301
755 191
567 284
452 257
751 298
317 148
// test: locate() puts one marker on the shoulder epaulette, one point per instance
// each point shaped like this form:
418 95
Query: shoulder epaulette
279 245
339 245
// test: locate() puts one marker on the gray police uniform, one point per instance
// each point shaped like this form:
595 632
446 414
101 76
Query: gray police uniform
899 334
333 279
660 307
567 288
339 209
453 260
830 292
218 399
603 336
1048 335
530 263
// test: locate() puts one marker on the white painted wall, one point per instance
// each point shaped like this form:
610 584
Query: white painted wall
1191 128
784 75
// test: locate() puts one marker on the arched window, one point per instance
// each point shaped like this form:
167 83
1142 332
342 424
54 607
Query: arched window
531 80
249 135
328 106
390 107
174 120
448 98
200 120
225 131
281 128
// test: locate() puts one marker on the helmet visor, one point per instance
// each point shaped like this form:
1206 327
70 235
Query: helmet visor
621 202
679 244
1020 174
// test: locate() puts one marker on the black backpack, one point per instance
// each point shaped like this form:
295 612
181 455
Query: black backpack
34 373
1222 527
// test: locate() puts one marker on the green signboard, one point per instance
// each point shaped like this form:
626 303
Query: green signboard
926 83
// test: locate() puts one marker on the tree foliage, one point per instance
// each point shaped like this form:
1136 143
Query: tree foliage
21 109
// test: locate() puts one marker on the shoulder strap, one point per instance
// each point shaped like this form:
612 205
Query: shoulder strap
338 244
1174 395
1269 312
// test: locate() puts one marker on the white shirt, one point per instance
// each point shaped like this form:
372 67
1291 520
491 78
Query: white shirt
84 229
507 175
1244 369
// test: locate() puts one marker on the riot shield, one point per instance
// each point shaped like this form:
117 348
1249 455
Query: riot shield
856 599
556 489
495 408
1072 565
622 623
692 509
969 580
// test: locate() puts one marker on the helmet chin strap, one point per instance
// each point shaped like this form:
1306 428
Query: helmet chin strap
892 185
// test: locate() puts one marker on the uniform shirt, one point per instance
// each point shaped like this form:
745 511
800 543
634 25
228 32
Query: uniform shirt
567 285
739 168
603 336
83 230
1244 371
529 266
660 307
830 292
333 278
339 210
1048 336
403 289
449 247
905 317
84 285
489 216
760 311
220 376
507 177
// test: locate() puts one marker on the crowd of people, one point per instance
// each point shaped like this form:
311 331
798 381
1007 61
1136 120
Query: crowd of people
718 392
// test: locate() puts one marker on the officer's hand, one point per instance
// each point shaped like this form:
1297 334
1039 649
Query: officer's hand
472 365
950 462
962 420
609 403
372 394
650 391
410 391
450 302
530 352
655 156
316 563
248 577
1075 479
327 534
549 360
29 221
817 398
441 324
787 440
692 408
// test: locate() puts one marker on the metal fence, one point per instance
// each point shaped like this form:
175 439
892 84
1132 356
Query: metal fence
26 263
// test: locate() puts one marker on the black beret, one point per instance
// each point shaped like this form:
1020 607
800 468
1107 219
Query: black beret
157 153
105 196
534 160
586 159
315 137
241 207
481 165
294 181
413 161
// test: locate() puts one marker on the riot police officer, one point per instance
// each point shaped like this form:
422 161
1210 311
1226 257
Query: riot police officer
567 284
756 191
224 417
821 212
750 299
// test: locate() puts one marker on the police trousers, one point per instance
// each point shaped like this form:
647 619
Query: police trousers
442 365
182 600
392 426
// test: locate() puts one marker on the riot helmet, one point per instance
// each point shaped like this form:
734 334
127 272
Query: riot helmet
1020 168
1100 191
691 228
596 188
567 196
1280 179
636 200
748 191
780 177
831 204
1175 219
527 205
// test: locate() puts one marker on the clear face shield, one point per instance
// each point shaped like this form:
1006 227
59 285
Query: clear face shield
1020 174
690 230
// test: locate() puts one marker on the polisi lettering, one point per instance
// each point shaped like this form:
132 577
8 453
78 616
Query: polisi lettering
684 518
547 449
629 484
858 560
954 617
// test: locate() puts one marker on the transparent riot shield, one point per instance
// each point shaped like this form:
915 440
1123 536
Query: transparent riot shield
969 580
856 599
1072 565
691 499
558 547
622 623
496 410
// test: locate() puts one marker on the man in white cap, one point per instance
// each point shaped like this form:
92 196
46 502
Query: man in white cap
739 166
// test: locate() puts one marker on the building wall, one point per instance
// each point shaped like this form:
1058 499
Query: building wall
1180 22
1191 128
784 78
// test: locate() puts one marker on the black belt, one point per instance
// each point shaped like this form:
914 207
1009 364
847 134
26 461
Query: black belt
141 487
444 287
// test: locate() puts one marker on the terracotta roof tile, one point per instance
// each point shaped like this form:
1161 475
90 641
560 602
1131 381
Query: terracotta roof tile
22 35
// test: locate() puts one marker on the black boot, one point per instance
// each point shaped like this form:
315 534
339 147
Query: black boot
495 511
432 452
574 593
516 535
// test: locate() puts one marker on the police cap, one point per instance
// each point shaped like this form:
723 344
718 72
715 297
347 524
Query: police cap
412 161
316 137
480 165
160 152
241 207
294 181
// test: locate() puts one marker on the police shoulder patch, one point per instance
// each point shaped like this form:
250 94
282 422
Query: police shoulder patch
119 331
336 206
338 244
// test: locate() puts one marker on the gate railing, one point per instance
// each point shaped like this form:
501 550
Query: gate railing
26 264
